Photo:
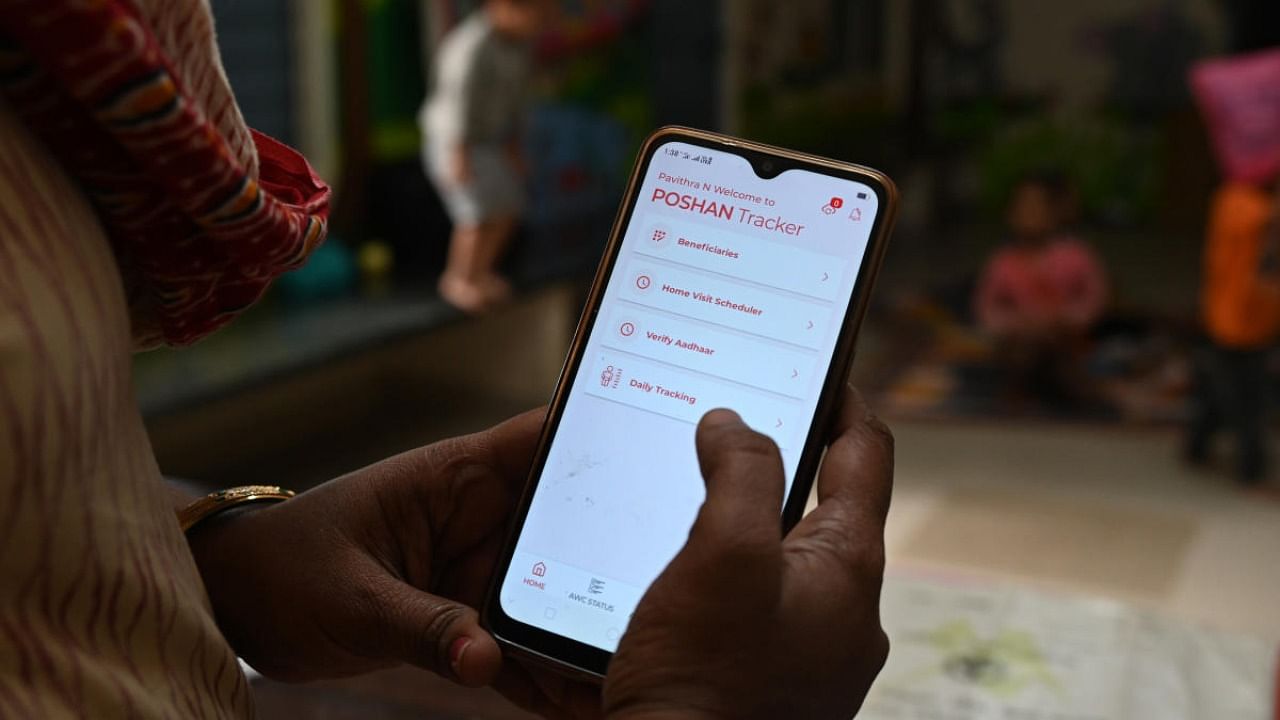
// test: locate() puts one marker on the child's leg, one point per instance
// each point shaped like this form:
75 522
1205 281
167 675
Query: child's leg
1205 414
495 236
1249 385
460 283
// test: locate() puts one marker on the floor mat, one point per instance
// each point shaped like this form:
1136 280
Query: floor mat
974 650
929 365
1122 552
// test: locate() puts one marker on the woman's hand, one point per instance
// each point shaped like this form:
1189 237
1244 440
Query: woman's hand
746 623
380 567
386 565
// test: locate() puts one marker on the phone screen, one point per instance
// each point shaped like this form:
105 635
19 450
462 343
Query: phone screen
728 290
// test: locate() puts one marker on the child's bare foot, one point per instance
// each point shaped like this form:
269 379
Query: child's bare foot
469 297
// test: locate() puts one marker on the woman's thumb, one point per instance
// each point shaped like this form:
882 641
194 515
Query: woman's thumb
440 635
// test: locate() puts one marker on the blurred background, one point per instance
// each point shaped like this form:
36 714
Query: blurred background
1060 546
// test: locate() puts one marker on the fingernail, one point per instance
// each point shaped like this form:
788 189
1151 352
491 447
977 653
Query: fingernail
456 651
722 416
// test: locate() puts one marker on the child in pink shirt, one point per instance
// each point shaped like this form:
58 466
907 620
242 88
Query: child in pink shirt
1045 282
1040 295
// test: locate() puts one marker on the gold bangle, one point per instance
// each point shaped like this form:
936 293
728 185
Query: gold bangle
214 503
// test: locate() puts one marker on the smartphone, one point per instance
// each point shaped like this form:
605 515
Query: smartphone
736 276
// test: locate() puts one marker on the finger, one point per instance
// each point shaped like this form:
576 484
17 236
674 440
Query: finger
743 473
495 470
466 578
855 483
437 634
511 444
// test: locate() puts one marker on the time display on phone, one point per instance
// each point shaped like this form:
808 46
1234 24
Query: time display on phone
686 154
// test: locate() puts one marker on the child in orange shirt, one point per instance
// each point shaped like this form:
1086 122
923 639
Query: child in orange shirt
1241 314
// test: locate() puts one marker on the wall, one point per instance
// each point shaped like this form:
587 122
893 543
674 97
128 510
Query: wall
255 39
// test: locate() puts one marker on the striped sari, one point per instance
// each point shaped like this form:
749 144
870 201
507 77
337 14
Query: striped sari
136 208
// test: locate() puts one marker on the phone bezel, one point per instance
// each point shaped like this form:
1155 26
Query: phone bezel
586 661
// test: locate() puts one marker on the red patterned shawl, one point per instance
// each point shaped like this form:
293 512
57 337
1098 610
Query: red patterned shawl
199 232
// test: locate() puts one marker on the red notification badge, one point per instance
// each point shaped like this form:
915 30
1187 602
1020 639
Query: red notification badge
837 203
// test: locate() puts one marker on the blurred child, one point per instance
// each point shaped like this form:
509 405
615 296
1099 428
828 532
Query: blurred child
1241 313
1040 294
473 123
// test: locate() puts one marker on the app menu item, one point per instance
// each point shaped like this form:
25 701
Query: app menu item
667 391
712 351
742 256
730 304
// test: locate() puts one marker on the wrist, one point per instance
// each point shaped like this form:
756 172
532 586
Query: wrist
222 544
227 549
216 503
205 537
